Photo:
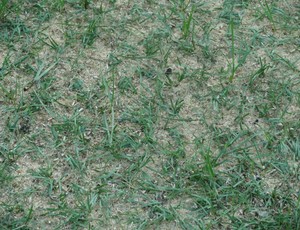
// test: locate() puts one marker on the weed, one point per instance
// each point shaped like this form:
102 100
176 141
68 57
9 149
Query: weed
45 176
4 9
91 33
85 3
268 12
186 27
232 51
176 106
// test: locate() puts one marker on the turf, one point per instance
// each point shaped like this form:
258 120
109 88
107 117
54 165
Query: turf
149 114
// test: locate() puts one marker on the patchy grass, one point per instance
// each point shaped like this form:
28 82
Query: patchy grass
149 114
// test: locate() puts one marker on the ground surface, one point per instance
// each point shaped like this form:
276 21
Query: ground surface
149 114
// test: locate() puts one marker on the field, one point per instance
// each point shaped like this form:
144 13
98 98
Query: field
147 114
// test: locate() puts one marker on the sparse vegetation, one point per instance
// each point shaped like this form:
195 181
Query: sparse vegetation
149 114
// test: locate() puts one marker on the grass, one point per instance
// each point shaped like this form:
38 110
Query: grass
149 114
